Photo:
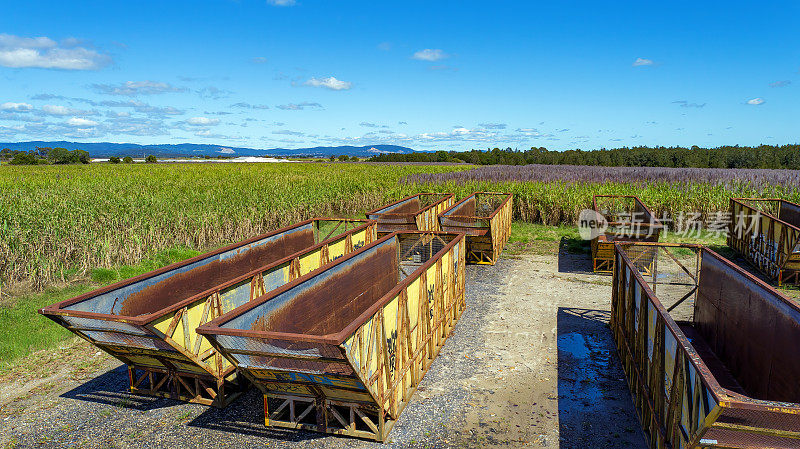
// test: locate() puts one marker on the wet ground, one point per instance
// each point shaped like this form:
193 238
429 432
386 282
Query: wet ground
531 363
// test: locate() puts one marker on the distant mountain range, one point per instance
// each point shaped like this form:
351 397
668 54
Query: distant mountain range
107 149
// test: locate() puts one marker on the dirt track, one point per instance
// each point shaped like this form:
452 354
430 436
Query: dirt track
531 363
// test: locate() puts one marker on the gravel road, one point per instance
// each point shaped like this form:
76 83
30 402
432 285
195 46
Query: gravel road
531 364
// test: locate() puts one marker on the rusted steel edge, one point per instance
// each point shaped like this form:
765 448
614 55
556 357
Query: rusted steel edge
496 211
424 209
766 214
656 222
213 327
720 394
141 320
730 398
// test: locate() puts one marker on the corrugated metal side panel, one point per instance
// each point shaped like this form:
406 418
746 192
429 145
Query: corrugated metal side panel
393 349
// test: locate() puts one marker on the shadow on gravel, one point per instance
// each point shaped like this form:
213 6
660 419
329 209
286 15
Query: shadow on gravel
574 256
245 416
594 403
111 388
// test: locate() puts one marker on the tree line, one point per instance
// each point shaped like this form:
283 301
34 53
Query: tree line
343 158
40 156
762 156
57 156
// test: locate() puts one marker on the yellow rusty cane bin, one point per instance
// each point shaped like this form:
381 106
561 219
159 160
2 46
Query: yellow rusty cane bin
627 219
149 322
342 350
485 217
709 351
413 213
766 232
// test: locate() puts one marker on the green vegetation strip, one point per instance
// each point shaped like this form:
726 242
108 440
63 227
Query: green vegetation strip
60 220
23 330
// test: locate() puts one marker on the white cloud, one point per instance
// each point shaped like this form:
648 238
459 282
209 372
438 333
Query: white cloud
209 135
259 60
45 53
298 106
143 108
492 125
642 62
62 97
460 134
244 105
137 126
81 122
214 93
134 88
57 110
202 121
329 83
287 132
20 117
686 104
782 83
430 54
281 2
16 107
756 101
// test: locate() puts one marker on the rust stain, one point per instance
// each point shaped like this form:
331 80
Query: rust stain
409 207
790 213
466 209
717 367
198 280
399 218
330 305
750 330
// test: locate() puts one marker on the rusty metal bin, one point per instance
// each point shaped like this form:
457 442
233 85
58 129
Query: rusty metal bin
628 220
766 232
413 213
343 349
149 322
485 217
710 352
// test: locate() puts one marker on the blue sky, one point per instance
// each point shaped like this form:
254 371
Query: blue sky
428 75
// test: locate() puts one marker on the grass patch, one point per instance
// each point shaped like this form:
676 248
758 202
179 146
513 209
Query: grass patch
161 259
713 240
543 239
23 330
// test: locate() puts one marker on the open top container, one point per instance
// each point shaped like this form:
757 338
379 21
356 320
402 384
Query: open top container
628 220
766 232
412 213
710 352
149 322
342 350
485 217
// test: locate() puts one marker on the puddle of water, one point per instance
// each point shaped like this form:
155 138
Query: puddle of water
575 344
583 364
